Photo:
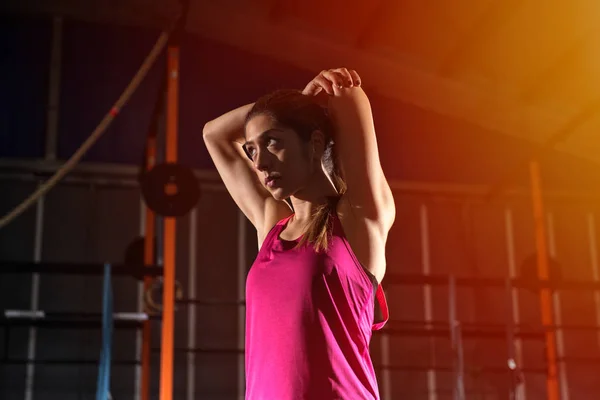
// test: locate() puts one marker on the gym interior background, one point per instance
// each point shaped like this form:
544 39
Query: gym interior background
63 66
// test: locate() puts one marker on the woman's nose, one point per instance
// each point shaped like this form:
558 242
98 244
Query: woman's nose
261 160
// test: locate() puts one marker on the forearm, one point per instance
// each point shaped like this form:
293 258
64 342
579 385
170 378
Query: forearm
350 108
229 127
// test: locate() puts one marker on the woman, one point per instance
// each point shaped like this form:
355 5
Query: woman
322 212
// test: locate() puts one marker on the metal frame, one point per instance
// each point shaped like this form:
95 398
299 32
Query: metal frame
557 314
137 387
458 330
591 220
116 174
427 300
191 342
456 341
35 292
516 346
429 327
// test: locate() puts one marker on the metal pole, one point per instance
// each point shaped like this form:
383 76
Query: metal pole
150 258
192 266
460 362
170 227
386 382
140 308
452 326
510 343
427 301
34 298
515 314
50 154
545 296
560 341
591 219
456 341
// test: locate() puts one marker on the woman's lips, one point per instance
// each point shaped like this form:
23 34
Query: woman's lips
271 181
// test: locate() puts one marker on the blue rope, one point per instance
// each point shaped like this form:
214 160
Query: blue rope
103 386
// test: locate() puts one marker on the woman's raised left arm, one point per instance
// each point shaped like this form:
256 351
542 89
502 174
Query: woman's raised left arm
356 143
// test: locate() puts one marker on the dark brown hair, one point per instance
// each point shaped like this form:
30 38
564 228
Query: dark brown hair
302 114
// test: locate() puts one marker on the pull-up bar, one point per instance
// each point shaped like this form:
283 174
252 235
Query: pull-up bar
517 283
70 268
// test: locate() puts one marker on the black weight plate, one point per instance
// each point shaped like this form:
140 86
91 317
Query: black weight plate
170 189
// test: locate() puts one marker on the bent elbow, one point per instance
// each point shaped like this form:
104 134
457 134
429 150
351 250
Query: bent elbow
207 129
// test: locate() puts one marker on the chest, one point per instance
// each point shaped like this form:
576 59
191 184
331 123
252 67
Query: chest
286 266
284 281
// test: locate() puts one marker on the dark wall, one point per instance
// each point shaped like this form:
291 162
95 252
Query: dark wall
94 224
24 63
99 60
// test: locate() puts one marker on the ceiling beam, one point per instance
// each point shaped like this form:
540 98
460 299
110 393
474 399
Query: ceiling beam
381 75
586 113
555 71
495 16
384 76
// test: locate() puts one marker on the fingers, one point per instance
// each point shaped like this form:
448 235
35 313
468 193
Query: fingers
312 89
337 78
347 76
355 77
324 82
343 77
328 80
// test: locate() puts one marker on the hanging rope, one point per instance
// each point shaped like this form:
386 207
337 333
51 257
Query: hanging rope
93 138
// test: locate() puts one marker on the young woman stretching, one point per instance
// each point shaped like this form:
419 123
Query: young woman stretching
303 166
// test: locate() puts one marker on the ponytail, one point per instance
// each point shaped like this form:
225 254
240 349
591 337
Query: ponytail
320 228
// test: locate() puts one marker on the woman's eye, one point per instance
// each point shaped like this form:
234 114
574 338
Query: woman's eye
271 142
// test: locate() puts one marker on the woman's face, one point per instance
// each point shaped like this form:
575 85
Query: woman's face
281 159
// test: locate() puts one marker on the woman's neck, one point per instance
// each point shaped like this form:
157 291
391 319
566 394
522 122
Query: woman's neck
306 201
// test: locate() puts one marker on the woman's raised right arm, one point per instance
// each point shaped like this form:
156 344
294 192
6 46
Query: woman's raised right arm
223 137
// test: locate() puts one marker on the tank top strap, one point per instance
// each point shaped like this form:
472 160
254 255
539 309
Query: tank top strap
385 314
274 232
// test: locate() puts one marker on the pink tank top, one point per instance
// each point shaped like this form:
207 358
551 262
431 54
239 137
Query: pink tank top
309 320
